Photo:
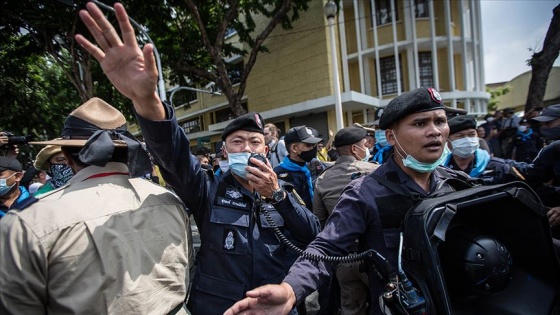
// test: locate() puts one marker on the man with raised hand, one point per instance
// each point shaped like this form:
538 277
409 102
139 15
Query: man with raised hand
239 250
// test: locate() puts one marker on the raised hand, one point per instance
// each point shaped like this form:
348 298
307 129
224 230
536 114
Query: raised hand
131 70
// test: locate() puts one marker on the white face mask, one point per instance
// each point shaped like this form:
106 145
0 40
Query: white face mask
224 165
522 128
368 155
490 119
465 147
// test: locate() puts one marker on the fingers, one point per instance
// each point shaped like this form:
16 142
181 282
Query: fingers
93 50
129 37
150 60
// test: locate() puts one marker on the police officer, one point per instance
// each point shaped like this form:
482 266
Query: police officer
302 148
468 157
416 125
544 173
350 165
239 249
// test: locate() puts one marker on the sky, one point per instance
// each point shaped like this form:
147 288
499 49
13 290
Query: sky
509 29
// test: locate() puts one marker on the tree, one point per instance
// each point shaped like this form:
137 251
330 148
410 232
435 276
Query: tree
541 63
494 94
35 95
192 38
189 34
41 31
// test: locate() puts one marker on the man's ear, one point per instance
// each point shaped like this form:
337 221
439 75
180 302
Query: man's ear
390 136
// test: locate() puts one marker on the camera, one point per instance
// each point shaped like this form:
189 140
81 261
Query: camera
257 156
12 140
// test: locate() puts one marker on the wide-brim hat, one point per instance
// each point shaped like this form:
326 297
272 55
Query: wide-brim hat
44 155
94 112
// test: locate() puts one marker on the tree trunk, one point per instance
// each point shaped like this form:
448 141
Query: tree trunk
542 62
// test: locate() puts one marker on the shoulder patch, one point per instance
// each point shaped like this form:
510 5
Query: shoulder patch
282 175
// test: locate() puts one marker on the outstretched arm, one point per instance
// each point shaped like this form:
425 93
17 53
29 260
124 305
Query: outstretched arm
269 299
131 70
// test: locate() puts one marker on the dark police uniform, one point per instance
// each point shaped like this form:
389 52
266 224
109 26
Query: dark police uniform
363 212
546 169
239 250
370 210
493 170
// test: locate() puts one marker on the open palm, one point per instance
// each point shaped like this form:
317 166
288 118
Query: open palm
132 71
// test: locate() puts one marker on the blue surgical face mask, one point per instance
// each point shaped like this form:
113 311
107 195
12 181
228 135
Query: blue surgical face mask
422 167
237 163
380 138
465 147
4 188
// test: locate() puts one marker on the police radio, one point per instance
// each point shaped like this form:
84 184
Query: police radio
256 156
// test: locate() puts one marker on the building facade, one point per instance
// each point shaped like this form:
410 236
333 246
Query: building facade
384 48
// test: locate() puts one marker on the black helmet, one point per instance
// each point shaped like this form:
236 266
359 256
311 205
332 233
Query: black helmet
475 263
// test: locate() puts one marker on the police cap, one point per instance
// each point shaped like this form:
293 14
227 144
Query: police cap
550 113
249 122
460 123
301 134
349 135
7 163
416 101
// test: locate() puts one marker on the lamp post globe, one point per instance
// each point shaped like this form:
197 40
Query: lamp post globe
330 9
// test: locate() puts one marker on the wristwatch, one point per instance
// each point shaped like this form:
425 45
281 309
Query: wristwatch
277 196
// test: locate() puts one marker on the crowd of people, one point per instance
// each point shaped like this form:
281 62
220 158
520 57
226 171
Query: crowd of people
101 223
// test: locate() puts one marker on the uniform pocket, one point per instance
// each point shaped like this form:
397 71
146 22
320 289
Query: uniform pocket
230 230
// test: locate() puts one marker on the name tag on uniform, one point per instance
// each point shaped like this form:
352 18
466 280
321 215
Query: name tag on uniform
233 203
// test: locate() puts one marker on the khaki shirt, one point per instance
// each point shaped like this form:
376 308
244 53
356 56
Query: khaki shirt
103 244
330 184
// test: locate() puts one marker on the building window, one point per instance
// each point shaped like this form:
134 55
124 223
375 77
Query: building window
227 113
389 75
425 68
192 125
421 8
383 13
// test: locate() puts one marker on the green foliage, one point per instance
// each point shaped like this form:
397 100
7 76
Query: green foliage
44 74
494 94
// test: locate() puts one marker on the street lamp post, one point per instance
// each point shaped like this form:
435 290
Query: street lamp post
330 11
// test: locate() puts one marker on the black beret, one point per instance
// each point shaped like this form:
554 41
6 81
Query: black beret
7 163
416 101
301 134
249 122
460 123
349 135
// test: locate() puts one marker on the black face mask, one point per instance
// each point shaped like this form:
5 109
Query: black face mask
551 133
307 156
